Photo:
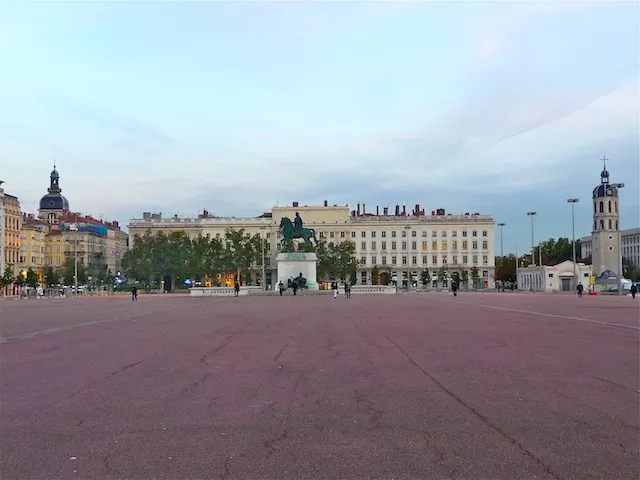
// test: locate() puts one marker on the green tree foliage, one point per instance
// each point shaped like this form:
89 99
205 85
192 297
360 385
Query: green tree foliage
442 274
506 268
464 278
556 251
375 275
630 271
385 277
455 276
32 278
50 277
425 278
7 278
242 251
68 273
475 276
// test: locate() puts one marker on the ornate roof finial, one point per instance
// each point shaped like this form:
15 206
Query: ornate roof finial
604 160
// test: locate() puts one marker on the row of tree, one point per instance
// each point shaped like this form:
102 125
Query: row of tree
51 276
155 257
461 276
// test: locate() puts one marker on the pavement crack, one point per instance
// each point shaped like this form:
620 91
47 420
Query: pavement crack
613 383
197 383
205 356
269 443
123 369
475 412
277 357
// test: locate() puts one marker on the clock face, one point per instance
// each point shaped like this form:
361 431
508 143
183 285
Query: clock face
609 192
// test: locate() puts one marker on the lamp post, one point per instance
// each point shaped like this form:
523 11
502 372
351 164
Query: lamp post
407 228
533 250
618 186
74 228
573 202
264 274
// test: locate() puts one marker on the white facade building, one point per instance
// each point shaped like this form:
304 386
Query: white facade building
630 246
557 278
401 243
2 240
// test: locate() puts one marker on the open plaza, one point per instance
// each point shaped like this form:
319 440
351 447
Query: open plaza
484 385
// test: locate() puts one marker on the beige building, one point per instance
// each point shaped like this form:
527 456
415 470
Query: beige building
33 244
12 225
398 242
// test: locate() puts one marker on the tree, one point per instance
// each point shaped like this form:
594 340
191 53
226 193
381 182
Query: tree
344 255
630 270
50 277
32 279
442 275
455 276
375 275
425 278
506 269
7 278
243 251
68 272
464 278
475 275
385 277
556 251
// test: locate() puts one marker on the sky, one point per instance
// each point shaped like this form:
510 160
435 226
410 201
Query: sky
173 107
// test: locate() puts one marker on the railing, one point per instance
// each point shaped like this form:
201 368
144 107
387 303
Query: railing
379 289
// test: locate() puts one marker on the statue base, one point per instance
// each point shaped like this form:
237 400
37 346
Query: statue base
290 265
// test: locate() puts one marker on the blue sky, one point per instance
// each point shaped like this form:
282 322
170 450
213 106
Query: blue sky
496 107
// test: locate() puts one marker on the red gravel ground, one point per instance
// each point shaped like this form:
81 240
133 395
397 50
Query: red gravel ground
479 386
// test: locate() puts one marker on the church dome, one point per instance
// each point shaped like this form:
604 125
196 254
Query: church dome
604 189
53 201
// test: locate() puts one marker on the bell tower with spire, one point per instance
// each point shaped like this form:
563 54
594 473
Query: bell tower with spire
53 203
605 254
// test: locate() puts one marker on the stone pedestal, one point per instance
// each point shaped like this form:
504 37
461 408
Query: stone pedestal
290 265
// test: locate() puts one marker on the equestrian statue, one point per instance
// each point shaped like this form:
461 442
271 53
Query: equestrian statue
291 230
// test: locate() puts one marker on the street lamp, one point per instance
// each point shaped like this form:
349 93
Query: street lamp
533 251
573 202
74 228
501 251
618 186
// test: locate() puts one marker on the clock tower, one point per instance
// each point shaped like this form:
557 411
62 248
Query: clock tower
605 254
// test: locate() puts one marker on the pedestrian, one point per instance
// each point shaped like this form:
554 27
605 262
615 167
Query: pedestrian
281 287
580 289
347 289
134 293
334 285
454 288
634 290
236 289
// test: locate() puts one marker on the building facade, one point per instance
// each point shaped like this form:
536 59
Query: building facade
630 242
557 278
12 226
33 242
2 241
400 243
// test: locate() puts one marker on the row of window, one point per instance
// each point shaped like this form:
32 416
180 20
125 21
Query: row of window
612 208
425 260
414 233
424 245
610 223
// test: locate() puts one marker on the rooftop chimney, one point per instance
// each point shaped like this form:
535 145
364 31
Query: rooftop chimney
385 210
364 210
295 204
397 210
358 209
404 210
326 203
377 211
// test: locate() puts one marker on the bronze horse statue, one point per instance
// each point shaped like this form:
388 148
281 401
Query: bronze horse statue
289 232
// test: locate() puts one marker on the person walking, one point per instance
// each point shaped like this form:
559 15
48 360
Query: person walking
634 290
236 288
454 288
580 289
281 287
134 293
347 289
334 286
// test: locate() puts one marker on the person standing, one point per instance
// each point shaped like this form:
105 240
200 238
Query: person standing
281 287
580 289
334 287
634 290
347 289
134 293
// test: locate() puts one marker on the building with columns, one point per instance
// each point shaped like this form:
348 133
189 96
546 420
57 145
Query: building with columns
398 242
